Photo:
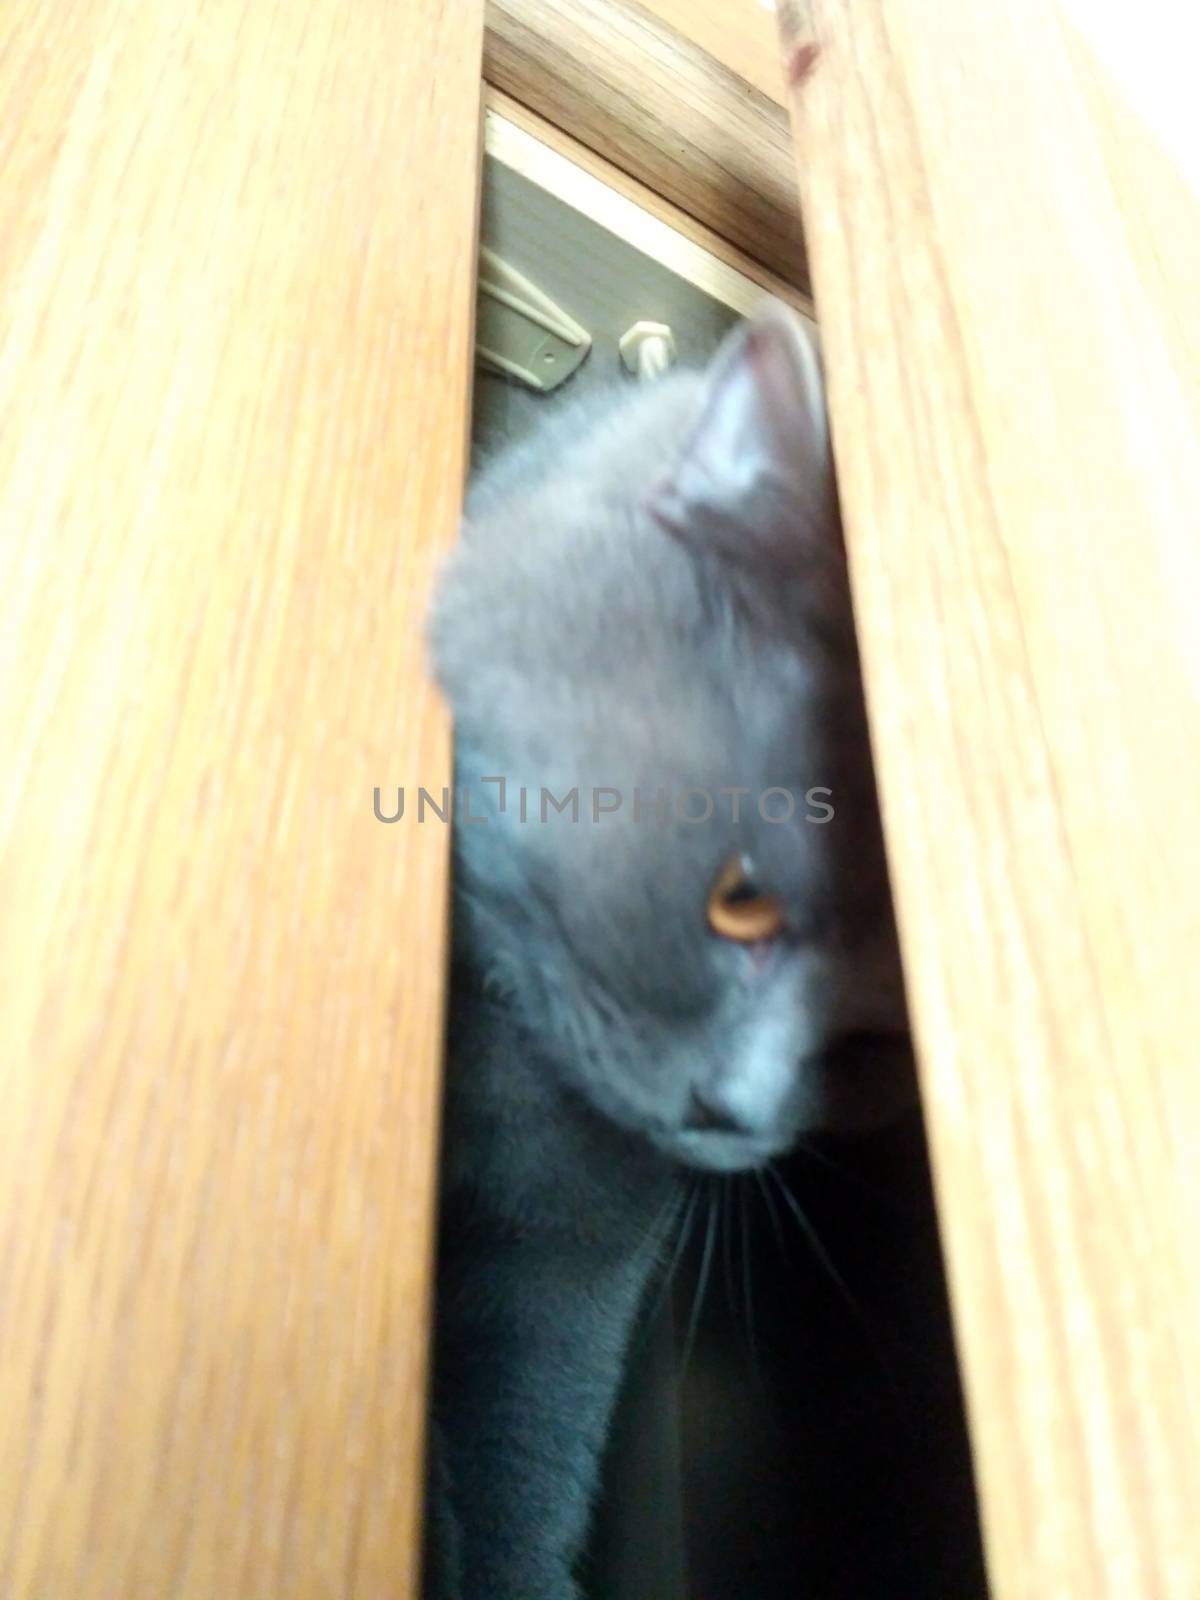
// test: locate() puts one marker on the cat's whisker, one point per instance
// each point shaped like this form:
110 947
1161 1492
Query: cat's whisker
685 1206
701 1283
811 1151
776 1225
665 1218
726 1231
875 1345
810 1233
751 1341
746 1291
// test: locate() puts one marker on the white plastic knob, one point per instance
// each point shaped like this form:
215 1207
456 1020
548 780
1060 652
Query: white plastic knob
648 349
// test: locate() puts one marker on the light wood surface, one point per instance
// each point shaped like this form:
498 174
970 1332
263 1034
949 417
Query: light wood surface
1006 256
657 106
741 34
236 262
573 174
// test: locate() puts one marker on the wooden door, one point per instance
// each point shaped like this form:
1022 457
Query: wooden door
237 248
1004 234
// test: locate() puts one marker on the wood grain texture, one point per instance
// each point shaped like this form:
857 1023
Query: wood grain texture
658 107
235 297
1006 255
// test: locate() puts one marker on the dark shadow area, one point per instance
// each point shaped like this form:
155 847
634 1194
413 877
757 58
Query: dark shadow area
818 1422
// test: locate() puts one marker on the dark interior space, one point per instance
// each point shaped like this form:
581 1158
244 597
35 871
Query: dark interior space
820 1445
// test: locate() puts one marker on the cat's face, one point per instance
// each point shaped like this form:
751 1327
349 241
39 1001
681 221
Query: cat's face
652 602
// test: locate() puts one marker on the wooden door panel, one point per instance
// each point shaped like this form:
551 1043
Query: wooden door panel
1004 234
236 263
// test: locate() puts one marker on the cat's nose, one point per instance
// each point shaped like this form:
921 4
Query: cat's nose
706 1116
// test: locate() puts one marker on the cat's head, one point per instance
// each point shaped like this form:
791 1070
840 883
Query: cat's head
652 599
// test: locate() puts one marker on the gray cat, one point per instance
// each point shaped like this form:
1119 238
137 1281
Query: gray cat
649 606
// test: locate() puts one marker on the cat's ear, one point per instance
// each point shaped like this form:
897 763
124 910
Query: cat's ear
754 479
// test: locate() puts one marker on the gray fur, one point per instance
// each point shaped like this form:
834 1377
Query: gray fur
651 595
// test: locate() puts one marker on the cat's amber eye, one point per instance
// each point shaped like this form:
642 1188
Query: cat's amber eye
739 908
